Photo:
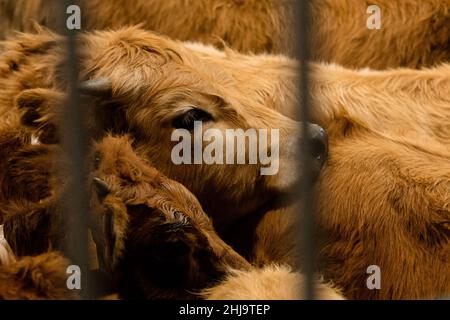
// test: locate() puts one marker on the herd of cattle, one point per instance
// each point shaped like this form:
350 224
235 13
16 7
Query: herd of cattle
161 230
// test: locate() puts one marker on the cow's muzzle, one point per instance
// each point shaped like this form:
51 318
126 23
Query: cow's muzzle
318 145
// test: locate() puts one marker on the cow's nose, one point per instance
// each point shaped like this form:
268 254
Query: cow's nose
318 143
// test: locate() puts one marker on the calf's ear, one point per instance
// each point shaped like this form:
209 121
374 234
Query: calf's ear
105 113
41 112
110 239
39 100
106 238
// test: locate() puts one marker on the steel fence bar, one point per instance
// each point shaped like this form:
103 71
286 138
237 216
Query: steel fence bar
306 214
74 139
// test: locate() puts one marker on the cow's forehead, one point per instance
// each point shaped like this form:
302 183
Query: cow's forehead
146 58
143 64
132 44
143 49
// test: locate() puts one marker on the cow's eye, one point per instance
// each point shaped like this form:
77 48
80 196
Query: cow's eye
186 120
97 160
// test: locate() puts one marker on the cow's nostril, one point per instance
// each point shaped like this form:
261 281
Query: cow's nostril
318 144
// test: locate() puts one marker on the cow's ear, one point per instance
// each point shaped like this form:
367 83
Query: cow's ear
41 109
110 237
109 225
106 239
30 99
40 100
105 235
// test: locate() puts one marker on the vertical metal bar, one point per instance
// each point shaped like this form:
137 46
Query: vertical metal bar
75 144
307 223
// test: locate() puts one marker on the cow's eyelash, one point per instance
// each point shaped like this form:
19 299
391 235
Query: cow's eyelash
187 119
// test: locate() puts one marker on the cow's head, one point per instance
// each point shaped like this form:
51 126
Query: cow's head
157 90
150 231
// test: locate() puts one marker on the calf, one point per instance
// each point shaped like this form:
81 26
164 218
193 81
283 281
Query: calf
153 231
150 233
173 86
152 227
183 82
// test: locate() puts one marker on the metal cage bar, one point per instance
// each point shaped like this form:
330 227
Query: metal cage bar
75 144
306 213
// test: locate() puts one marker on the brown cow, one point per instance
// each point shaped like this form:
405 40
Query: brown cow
148 229
385 192
235 99
128 176
385 185
386 204
383 197
413 33
150 232
174 84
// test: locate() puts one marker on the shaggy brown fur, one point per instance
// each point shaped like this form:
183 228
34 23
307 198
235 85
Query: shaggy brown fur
383 197
393 123
30 210
35 278
385 192
414 33
20 178
401 102
269 283
394 212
